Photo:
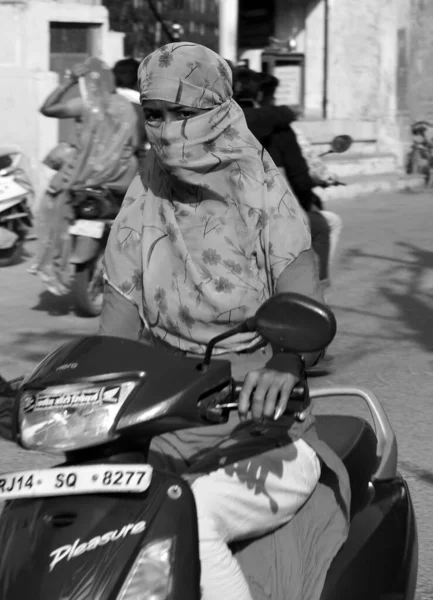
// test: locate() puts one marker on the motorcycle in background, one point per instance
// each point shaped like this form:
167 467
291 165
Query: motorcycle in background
95 210
15 214
420 156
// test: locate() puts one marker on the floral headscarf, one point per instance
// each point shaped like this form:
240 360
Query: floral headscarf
208 227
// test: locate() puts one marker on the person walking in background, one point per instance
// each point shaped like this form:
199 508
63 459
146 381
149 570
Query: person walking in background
101 152
126 76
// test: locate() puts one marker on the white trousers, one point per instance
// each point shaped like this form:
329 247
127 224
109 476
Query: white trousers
335 225
245 500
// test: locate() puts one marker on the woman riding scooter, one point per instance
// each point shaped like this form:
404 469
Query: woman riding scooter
206 233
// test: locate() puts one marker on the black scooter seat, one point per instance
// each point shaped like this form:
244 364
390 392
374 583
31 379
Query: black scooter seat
355 442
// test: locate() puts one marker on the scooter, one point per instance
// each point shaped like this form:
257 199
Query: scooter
15 215
420 156
105 525
95 210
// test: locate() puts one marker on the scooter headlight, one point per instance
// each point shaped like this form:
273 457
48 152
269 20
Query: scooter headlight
70 417
151 575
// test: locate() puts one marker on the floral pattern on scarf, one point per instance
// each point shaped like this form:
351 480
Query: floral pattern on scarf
210 224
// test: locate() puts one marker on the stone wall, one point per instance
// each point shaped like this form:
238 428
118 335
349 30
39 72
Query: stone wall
25 78
421 60
354 59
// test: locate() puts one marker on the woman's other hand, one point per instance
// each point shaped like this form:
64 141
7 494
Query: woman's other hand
265 393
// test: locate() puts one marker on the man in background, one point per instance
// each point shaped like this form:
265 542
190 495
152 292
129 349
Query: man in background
126 75
270 124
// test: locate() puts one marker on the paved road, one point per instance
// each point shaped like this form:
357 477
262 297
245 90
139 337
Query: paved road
383 299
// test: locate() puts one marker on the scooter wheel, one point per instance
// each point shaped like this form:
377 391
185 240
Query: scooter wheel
10 256
88 288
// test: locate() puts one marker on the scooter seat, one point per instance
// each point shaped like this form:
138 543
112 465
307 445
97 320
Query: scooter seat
355 442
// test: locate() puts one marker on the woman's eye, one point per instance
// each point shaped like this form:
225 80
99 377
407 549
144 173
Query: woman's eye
152 116
185 114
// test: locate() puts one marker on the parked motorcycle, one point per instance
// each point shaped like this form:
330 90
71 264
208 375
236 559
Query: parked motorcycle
420 156
95 210
105 524
15 215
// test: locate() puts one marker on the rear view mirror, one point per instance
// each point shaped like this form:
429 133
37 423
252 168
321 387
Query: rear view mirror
341 143
295 323
290 322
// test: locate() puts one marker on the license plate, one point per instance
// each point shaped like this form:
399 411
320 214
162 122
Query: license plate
9 188
93 229
64 481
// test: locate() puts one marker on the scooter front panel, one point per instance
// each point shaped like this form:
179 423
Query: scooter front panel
83 547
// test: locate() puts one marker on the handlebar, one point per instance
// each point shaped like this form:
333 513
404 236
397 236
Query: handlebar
386 441
295 405
327 184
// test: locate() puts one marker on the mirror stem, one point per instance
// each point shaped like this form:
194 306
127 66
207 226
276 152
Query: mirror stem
248 325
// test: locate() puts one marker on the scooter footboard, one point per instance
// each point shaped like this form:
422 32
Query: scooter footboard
94 546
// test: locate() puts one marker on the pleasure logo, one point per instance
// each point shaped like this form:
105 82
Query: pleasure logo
78 547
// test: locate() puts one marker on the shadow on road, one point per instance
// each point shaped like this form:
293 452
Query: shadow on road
55 306
408 286
406 290
35 346
423 475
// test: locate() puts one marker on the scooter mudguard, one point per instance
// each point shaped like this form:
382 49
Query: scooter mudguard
379 560
7 203
84 547
7 238
85 249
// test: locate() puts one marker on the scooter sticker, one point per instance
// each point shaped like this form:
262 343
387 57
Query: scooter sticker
77 548
28 404
71 399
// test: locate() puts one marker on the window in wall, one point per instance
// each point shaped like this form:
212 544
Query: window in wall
178 4
70 37
192 27
202 29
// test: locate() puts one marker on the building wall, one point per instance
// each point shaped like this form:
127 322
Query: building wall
421 60
314 59
25 78
303 20
380 63
354 58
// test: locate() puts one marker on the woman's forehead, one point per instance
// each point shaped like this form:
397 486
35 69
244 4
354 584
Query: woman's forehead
160 104
188 74
166 106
